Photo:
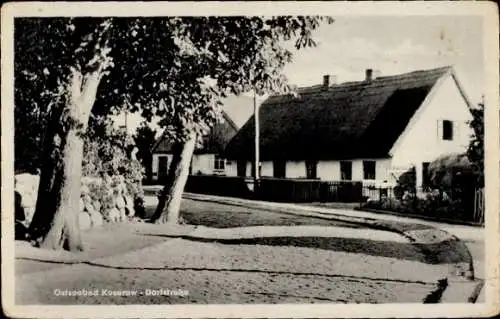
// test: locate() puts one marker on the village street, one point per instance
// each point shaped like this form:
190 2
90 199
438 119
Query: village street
237 254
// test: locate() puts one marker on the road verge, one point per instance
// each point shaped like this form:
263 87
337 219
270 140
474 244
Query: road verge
439 246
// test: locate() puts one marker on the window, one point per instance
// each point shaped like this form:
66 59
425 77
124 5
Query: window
425 174
345 170
219 163
312 169
369 169
241 167
447 133
279 169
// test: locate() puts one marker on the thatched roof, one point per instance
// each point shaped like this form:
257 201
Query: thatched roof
350 120
213 143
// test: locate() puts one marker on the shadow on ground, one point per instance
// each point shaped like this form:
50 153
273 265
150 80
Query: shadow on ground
405 251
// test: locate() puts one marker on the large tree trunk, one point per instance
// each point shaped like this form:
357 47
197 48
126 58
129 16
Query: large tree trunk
65 232
168 209
50 179
55 223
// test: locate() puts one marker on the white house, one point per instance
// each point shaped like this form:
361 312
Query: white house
208 158
369 131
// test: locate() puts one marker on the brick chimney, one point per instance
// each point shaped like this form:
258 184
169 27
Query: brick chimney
326 80
368 75
371 74
329 80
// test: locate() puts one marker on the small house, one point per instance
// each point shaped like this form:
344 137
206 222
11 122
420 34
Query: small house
208 158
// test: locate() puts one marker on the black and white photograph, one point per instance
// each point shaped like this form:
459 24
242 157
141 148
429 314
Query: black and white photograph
248 159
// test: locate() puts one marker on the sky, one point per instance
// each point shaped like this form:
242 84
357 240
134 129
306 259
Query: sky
391 45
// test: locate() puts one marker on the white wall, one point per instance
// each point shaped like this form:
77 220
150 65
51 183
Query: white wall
326 170
232 168
295 169
422 142
266 169
330 170
203 164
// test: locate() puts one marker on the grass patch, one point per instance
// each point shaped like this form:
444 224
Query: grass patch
218 215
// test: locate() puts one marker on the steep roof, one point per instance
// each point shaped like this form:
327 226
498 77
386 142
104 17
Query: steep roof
350 120
214 142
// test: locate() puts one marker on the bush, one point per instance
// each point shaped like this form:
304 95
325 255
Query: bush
107 152
109 168
452 171
436 204
406 184
388 203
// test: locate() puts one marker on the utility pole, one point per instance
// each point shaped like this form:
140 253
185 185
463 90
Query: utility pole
257 154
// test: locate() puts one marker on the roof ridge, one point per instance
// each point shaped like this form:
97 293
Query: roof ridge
319 86
443 68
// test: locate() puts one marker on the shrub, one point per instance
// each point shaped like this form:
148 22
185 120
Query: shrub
406 184
391 204
452 171
108 164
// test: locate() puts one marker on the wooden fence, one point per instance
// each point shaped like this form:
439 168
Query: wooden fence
457 204
304 190
443 204
276 189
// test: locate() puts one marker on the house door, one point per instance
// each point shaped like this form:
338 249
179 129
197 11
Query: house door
162 168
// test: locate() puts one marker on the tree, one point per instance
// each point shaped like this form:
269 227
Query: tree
406 183
144 139
219 56
176 68
65 60
475 151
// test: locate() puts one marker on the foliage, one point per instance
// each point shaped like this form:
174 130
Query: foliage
453 171
177 68
48 51
436 204
144 139
29 127
475 151
191 63
107 153
406 183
